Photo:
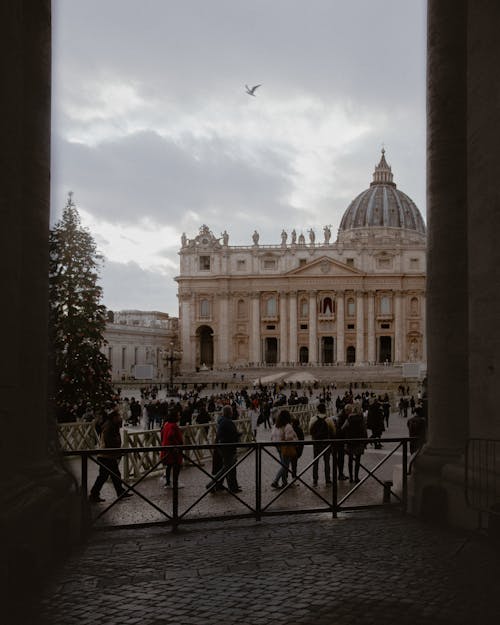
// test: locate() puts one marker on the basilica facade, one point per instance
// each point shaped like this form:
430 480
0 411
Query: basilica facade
310 300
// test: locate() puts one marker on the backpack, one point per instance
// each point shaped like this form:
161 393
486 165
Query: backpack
319 429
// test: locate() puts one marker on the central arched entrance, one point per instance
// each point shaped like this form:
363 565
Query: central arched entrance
206 346
327 350
350 355
303 355
385 349
271 350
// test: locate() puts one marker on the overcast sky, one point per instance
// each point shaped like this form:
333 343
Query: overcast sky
155 135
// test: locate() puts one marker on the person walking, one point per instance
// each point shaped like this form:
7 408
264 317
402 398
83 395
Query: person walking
321 429
171 434
375 421
110 438
228 434
354 427
283 432
298 448
341 419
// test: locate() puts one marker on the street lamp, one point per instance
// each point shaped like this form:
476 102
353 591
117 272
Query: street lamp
171 357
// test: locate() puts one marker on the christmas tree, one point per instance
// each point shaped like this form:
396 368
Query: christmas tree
77 319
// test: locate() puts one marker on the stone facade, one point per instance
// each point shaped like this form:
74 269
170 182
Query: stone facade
358 300
136 337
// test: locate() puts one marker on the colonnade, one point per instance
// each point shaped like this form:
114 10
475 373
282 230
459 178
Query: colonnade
292 330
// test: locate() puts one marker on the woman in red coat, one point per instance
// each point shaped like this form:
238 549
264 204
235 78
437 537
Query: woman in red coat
171 435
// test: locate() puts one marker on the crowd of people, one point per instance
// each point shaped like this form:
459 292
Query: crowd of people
355 414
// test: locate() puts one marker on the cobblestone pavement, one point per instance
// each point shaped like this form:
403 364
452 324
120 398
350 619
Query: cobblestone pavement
360 568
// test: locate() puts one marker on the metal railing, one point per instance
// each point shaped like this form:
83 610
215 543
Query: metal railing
482 475
259 460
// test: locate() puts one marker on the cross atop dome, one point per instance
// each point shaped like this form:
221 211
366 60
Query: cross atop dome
383 173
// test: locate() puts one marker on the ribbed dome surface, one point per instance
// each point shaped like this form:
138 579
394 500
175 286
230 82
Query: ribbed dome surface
382 205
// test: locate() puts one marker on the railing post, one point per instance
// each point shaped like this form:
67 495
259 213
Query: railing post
258 481
84 510
126 463
334 480
175 501
405 476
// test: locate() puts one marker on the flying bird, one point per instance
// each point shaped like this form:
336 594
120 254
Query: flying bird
252 90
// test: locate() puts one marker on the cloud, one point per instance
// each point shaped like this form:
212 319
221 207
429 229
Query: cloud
127 286
155 135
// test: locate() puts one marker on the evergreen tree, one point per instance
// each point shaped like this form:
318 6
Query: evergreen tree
77 319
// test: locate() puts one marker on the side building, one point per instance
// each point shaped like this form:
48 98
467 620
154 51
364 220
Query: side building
358 300
139 344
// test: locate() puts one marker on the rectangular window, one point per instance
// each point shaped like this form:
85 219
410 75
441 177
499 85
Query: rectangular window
270 327
136 355
302 262
204 309
241 264
350 326
385 305
414 264
385 326
269 264
124 355
303 326
204 263
350 262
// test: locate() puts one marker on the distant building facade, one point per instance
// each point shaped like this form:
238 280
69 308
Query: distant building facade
138 343
358 300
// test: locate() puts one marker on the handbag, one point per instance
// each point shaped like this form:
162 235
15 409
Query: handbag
288 451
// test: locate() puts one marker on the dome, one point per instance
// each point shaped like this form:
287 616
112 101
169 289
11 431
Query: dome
382 206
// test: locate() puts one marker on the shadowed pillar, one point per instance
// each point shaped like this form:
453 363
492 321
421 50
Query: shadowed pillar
35 515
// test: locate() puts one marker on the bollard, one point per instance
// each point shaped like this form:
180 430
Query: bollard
387 492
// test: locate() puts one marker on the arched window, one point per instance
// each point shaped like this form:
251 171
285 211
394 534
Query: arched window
304 307
241 309
204 309
351 307
414 306
385 305
271 306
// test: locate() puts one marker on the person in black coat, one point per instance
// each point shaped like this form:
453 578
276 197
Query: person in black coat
226 433
375 421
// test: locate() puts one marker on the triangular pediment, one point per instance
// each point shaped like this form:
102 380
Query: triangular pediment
325 266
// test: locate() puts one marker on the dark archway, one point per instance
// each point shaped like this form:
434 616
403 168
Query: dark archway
304 355
271 350
350 355
206 343
385 349
327 350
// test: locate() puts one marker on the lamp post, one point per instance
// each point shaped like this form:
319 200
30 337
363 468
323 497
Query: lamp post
170 358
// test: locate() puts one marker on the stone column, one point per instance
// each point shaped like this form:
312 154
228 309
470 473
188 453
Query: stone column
483 225
438 478
283 356
223 323
255 355
38 517
292 341
360 328
447 278
371 328
188 355
340 326
313 324
398 327
422 308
